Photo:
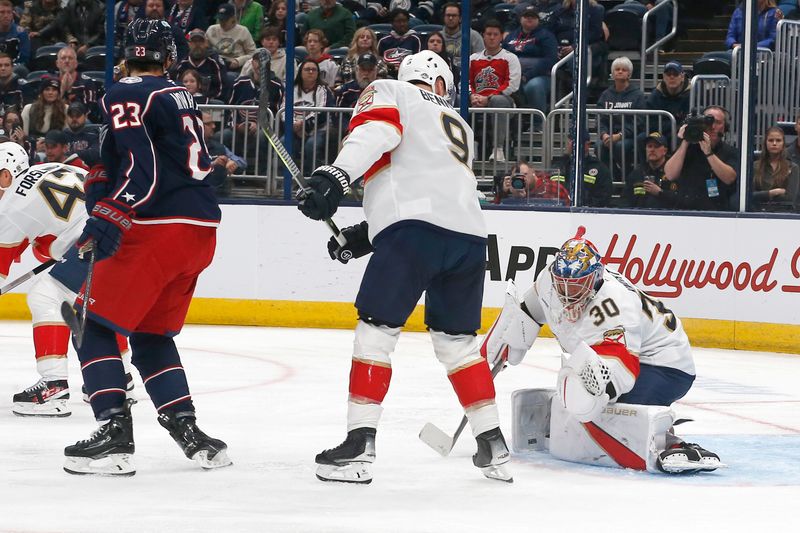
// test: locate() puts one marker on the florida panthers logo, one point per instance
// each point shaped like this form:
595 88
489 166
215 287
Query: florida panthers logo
366 99
486 79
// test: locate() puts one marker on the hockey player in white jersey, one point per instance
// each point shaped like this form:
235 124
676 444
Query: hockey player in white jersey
428 233
621 344
43 207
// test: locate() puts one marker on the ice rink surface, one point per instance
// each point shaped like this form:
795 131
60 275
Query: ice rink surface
277 397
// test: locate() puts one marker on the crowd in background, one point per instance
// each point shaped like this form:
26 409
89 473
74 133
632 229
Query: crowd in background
52 55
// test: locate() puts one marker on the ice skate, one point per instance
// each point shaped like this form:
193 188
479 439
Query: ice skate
492 454
351 461
128 389
108 451
44 398
208 452
687 458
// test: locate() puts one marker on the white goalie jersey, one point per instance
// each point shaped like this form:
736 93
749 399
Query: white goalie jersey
394 122
622 313
43 208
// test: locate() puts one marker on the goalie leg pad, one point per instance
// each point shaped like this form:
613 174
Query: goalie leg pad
530 419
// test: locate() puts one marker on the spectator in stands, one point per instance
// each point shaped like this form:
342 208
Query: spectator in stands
270 40
549 10
436 44
232 41
15 129
647 186
401 42
247 90
536 49
14 40
705 170
81 140
56 150
364 42
195 84
75 86
563 26
335 21
526 185
671 94
617 133
494 75
794 149
316 43
776 178
206 62
310 128
10 84
661 20
185 16
366 72
276 18
81 24
36 16
250 14
48 112
596 186
768 16
124 13
451 32
156 10
224 162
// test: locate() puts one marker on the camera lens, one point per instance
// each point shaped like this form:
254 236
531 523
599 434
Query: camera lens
517 182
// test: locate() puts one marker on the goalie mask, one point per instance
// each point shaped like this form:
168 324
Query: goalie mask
576 273
427 67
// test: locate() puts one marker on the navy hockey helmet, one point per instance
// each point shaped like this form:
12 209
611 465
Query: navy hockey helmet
150 41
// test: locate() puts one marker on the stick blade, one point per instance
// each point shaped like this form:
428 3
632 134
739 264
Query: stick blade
72 322
436 439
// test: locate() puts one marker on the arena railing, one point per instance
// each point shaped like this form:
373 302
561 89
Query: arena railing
644 122
565 65
787 71
654 49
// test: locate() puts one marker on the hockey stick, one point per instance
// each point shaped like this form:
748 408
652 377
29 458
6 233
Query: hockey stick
25 277
277 145
76 324
441 441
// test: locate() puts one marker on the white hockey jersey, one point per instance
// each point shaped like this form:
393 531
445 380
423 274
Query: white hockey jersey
43 207
622 313
415 153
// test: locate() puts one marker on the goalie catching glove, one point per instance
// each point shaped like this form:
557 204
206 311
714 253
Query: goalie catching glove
324 190
583 382
357 244
513 332
109 221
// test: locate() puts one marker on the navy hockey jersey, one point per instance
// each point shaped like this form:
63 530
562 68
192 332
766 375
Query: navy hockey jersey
155 152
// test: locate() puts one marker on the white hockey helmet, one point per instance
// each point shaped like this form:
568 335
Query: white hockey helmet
427 66
13 158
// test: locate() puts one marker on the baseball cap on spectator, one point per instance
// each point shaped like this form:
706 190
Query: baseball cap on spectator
530 11
656 137
196 33
76 108
673 66
49 81
55 137
367 60
225 11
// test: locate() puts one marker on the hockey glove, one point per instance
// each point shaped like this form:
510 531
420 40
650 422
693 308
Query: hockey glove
358 244
325 189
96 187
109 221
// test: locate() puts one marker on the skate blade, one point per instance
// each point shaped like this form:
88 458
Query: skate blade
497 472
219 460
436 439
687 466
358 472
117 464
51 409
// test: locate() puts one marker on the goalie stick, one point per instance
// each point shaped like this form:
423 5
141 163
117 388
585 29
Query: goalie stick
76 324
441 441
275 142
25 277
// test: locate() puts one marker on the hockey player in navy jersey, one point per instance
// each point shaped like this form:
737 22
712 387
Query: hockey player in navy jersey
152 230
428 232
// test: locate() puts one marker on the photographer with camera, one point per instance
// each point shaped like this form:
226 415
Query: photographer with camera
704 166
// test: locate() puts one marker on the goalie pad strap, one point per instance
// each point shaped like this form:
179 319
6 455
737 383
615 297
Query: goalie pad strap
473 384
369 380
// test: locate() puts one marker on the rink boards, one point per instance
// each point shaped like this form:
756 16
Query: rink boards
734 281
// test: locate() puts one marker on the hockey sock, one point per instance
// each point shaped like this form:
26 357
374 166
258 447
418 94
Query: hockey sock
101 366
157 359
51 342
